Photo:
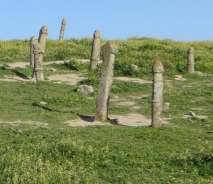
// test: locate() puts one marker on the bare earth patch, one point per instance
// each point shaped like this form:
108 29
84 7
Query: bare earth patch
14 79
70 79
135 80
129 120
31 123
126 103
25 64
83 123
17 65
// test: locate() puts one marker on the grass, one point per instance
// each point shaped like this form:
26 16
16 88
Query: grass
141 52
36 146
180 152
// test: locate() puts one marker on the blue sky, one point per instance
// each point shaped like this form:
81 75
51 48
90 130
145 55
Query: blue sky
174 19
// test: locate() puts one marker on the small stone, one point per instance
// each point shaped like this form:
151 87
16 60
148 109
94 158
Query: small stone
85 90
200 74
166 107
115 97
192 114
179 78
52 70
195 116
134 67
43 103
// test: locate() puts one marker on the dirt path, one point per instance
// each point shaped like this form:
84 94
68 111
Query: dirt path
14 79
17 65
70 79
135 80
25 64
129 120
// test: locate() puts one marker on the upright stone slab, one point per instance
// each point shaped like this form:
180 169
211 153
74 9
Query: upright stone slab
106 80
38 67
63 27
42 40
96 50
157 94
191 61
32 42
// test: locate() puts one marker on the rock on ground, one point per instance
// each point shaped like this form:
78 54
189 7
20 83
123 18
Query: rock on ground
86 90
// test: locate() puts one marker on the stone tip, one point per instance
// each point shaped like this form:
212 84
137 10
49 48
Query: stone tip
32 38
158 66
64 20
97 33
111 46
44 30
191 50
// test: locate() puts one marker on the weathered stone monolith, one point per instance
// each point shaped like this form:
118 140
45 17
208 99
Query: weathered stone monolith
157 94
32 42
38 67
191 61
109 52
63 27
96 50
39 49
42 40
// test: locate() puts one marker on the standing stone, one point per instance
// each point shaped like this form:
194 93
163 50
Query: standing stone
63 27
38 68
105 85
39 50
96 50
191 61
157 94
32 42
42 40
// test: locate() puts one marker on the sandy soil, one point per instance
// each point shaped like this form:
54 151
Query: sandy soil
130 79
70 79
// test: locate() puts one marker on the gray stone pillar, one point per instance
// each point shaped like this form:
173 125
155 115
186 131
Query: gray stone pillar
63 27
38 67
106 80
42 40
32 42
96 50
39 51
191 61
157 94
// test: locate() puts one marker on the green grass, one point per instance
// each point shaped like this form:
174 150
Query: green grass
180 152
36 146
141 52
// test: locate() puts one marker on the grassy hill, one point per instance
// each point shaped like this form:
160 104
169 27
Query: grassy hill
38 146
141 52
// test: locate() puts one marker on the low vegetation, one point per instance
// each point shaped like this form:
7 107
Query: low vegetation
38 146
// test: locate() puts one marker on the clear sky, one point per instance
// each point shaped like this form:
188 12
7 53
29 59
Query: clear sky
174 19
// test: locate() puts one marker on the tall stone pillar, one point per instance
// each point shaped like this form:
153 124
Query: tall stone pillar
42 40
96 50
157 94
38 67
63 27
109 52
32 42
39 50
191 61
